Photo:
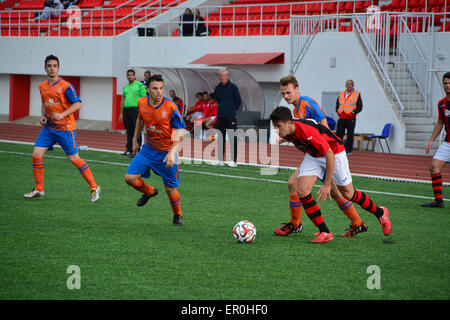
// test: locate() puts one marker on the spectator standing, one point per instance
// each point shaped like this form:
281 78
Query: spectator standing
228 101
132 91
187 23
199 24
348 105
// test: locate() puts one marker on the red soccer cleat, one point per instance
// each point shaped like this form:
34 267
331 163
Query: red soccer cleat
385 222
323 237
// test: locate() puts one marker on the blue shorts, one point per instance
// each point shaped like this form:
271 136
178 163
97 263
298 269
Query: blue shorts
66 139
149 158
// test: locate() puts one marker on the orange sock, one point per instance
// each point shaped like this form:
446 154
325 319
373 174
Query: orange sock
141 186
38 173
175 203
347 207
296 209
85 172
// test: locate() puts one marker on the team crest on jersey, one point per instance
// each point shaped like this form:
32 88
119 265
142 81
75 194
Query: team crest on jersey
163 114
59 90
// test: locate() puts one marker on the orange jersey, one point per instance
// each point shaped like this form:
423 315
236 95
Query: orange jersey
160 122
57 98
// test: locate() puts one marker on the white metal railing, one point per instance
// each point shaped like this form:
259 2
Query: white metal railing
398 57
391 47
93 22
303 30
376 46
221 20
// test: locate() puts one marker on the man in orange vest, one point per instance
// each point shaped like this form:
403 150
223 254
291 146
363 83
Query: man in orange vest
348 105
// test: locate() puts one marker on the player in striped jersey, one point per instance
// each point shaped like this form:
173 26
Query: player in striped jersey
442 156
307 108
325 157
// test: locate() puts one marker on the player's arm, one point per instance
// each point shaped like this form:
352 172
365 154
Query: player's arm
325 190
137 132
178 124
177 140
324 122
121 109
436 131
73 108
43 119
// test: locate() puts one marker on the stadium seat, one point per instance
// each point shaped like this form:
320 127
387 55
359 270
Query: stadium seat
384 136
89 4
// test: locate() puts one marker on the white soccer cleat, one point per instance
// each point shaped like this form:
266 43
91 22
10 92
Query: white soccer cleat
217 163
95 194
34 194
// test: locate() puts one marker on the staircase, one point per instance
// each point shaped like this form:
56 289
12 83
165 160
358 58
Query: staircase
419 125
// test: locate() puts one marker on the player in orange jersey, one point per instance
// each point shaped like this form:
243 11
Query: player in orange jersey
59 102
307 108
164 133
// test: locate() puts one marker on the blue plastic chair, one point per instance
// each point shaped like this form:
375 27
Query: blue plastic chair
331 123
384 136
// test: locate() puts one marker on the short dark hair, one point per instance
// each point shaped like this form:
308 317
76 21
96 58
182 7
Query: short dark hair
51 57
281 114
131 70
446 75
147 72
155 77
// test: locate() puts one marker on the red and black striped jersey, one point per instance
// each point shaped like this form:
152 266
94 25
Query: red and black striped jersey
314 138
444 115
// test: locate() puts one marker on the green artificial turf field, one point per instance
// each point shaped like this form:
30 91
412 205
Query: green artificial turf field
129 252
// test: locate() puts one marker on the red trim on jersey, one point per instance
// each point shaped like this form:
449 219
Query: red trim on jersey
444 115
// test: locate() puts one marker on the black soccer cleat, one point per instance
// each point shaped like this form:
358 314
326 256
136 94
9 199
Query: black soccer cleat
144 199
433 204
353 231
177 220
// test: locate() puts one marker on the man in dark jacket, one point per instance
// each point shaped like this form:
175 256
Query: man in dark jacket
228 100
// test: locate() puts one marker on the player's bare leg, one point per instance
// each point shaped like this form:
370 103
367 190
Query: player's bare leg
436 166
346 206
86 173
366 203
294 225
312 210
38 172
135 181
174 198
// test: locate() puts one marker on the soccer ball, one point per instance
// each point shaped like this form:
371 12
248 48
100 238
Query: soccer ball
244 231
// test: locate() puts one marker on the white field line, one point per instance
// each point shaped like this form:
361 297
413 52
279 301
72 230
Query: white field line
224 175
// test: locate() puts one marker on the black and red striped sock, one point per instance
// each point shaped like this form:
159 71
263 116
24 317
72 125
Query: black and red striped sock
312 210
436 181
366 203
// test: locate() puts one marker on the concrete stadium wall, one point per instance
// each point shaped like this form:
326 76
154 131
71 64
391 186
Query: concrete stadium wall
98 60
